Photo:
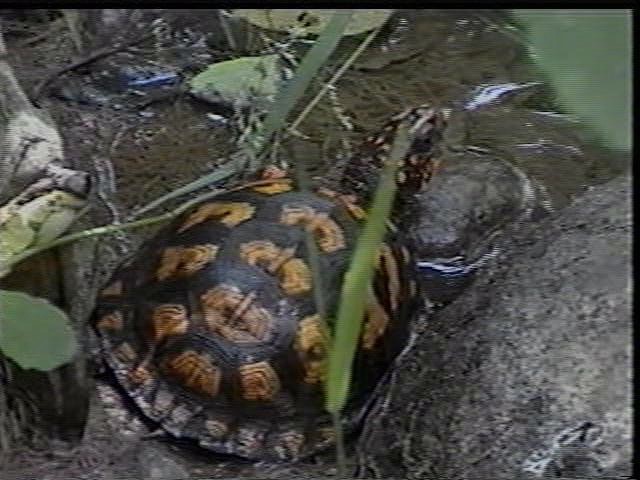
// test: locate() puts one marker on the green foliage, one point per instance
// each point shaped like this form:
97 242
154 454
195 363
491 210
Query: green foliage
243 80
16 237
28 225
587 57
307 22
33 332
317 56
356 285
224 73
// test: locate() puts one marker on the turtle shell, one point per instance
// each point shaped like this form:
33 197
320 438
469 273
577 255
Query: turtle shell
219 327
213 328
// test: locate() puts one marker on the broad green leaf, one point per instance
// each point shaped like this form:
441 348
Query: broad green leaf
33 332
55 225
34 223
239 81
312 21
51 214
15 236
587 57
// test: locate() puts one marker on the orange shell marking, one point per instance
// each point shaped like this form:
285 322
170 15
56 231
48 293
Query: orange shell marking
376 323
266 253
167 320
230 313
258 381
327 232
312 343
274 188
387 261
195 371
349 202
295 276
179 262
140 375
111 321
229 213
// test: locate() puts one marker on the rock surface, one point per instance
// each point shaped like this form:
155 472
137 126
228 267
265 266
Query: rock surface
528 373
467 210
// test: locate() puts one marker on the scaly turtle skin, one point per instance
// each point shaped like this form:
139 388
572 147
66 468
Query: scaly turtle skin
212 327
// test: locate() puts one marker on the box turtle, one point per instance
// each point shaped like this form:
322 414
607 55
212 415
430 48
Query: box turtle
212 327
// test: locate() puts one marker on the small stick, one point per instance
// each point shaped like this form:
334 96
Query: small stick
95 56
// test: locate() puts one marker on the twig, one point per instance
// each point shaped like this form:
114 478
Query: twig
109 229
55 26
343 68
95 56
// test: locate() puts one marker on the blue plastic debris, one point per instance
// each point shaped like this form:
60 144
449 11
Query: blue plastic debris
155 80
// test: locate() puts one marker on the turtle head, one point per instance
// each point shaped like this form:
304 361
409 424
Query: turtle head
425 125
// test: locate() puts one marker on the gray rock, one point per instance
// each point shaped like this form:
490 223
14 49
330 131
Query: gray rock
156 464
528 373
471 196
466 211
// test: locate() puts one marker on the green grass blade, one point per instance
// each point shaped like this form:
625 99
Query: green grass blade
357 281
218 175
7 264
343 68
317 56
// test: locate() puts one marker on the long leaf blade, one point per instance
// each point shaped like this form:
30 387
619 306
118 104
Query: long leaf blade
317 56
357 281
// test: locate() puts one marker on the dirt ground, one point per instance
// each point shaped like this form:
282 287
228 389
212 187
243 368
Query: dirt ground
139 144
